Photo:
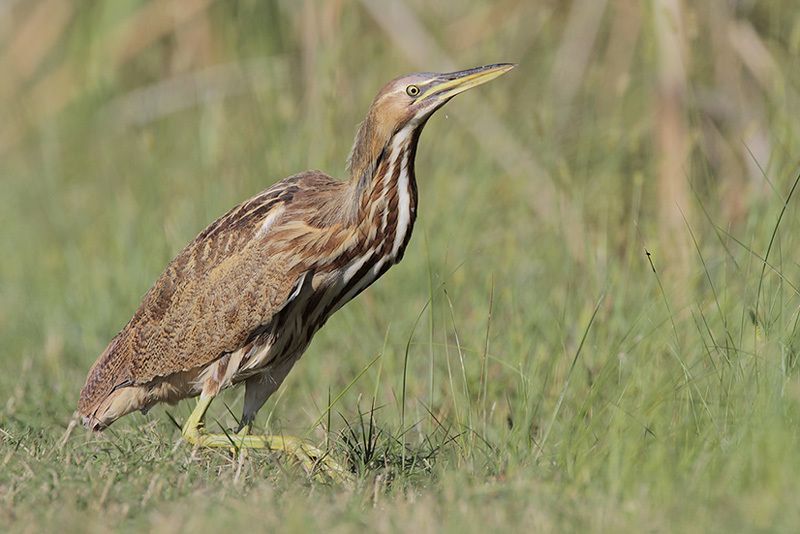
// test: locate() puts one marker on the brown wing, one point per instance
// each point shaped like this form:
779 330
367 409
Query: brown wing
231 279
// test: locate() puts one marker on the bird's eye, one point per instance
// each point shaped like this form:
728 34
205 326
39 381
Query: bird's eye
412 90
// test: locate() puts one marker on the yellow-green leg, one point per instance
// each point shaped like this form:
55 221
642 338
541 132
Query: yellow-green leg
313 460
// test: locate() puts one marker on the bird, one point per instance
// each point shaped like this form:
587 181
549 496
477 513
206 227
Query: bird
242 301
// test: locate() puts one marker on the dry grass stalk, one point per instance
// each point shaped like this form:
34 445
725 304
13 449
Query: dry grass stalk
671 135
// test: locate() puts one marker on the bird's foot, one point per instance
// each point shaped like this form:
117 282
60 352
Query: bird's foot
317 463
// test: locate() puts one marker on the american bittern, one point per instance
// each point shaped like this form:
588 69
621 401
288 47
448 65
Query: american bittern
242 301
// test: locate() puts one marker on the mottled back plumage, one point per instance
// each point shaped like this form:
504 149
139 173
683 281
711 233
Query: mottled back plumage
242 301
213 295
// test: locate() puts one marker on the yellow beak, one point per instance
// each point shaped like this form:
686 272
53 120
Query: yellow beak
446 86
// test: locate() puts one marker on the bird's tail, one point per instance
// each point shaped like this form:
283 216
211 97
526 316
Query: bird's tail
119 402
104 399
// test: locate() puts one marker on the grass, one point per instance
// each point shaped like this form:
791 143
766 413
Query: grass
504 375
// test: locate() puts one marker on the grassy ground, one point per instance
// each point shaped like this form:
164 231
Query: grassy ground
527 372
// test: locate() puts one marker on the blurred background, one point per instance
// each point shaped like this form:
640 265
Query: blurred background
621 110
669 126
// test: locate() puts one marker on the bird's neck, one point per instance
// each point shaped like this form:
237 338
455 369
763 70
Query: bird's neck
385 191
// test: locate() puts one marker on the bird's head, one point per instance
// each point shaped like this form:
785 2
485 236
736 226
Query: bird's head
404 105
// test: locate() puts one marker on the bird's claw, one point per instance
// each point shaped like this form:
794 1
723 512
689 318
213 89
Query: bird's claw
317 463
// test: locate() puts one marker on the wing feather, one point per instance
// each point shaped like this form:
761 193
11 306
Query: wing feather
224 285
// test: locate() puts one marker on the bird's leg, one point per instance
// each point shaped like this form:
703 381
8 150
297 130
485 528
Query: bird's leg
316 462
193 426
